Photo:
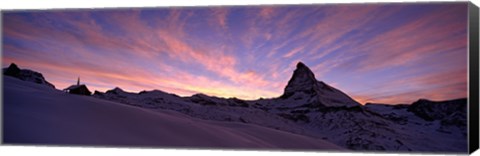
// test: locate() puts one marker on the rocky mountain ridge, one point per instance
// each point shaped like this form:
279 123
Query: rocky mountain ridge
26 75
312 108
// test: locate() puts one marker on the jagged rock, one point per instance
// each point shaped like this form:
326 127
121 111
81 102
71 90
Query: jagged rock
304 83
303 80
26 75
12 70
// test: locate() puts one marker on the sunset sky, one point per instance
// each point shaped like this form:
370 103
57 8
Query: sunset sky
382 53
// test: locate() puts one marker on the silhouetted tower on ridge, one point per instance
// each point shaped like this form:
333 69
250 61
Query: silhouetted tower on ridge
78 81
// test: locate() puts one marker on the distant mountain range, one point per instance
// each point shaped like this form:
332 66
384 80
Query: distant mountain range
315 109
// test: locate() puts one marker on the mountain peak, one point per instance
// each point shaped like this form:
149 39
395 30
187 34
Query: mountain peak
12 70
301 65
115 90
302 79
303 84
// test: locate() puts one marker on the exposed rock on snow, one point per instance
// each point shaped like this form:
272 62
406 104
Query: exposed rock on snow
304 85
26 75
431 110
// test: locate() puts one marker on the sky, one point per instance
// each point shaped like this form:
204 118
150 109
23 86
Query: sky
379 53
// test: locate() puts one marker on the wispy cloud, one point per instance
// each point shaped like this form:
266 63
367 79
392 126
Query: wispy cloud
220 15
293 52
376 52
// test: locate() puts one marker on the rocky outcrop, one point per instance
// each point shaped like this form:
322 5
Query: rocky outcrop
438 110
26 75
304 85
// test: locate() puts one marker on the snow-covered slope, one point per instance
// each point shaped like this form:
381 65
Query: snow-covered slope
203 107
444 110
312 108
38 114
310 113
448 134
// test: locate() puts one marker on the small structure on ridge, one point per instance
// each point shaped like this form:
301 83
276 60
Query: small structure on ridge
80 89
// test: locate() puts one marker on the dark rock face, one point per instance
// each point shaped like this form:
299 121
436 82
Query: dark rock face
26 75
304 85
12 70
303 80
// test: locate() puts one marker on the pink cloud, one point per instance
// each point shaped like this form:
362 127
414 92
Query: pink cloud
414 40
267 12
169 43
173 44
220 17
293 52
143 44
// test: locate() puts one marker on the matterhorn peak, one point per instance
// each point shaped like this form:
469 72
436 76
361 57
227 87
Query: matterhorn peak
303 84
303 79
301 65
